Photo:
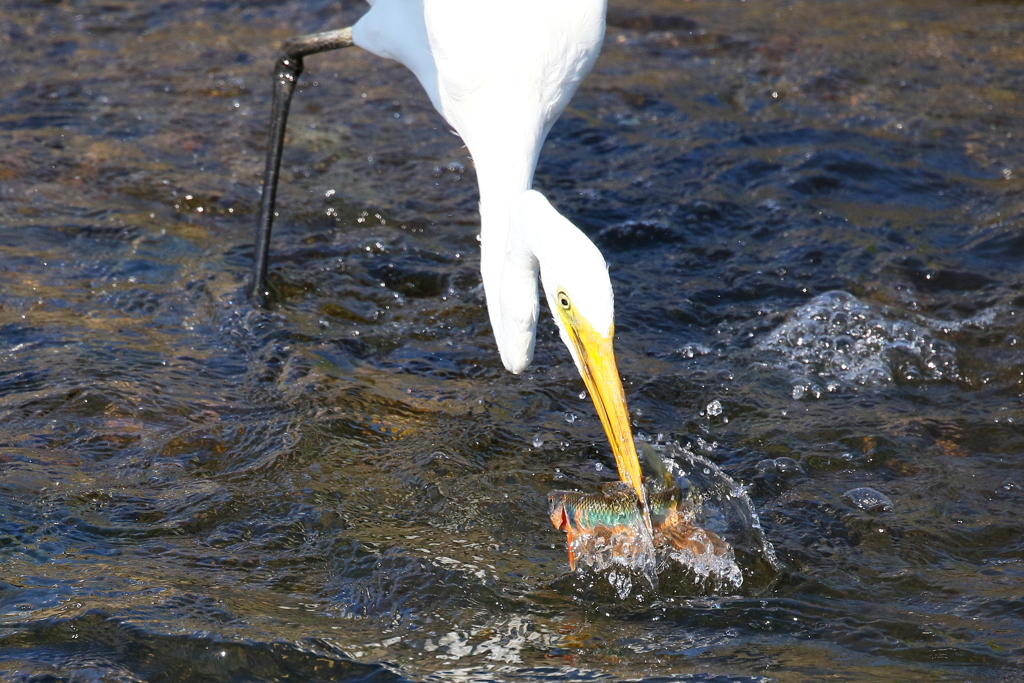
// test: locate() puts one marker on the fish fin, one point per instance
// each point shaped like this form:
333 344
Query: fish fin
699 541
656 467
568 543
615 488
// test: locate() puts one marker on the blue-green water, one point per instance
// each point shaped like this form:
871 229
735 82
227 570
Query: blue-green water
349 485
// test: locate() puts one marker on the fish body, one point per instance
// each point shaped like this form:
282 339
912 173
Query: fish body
607 525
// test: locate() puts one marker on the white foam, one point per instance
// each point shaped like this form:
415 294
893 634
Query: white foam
601 552
836 343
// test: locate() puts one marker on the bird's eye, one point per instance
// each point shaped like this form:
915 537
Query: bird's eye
563 301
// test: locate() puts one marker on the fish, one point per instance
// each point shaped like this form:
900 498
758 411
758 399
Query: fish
608 525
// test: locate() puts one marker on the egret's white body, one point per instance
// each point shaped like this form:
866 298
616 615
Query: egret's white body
501 72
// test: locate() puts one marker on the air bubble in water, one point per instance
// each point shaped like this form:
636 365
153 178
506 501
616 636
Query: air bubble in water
786 465
783 466
869 499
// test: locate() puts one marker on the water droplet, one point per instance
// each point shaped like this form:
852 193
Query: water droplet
583 395
570 418
538 441
622 584
714 408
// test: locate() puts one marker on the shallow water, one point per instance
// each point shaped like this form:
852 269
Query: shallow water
350 486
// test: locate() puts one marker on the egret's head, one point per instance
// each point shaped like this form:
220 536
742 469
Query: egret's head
573 271
579 294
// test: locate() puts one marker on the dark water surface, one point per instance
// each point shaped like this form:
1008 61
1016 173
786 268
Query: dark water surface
349 485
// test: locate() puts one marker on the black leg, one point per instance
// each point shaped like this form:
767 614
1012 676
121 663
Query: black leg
286 75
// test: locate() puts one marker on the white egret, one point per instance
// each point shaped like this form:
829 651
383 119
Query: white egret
500 72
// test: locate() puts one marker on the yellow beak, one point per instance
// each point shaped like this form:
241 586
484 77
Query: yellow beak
601 376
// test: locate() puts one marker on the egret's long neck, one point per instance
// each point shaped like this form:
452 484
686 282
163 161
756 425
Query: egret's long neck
508 262
504 162
504 135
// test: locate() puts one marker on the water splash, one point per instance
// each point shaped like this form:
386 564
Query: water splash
715 503
836 343
698 515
